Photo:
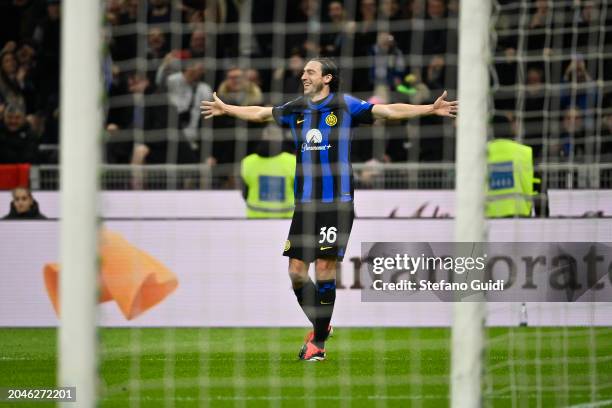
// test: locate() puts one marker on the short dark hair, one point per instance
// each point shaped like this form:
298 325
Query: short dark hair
329 67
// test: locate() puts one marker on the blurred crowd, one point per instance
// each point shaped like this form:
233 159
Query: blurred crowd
551 74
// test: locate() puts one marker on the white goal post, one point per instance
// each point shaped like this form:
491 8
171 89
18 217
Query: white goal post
467 342
81 120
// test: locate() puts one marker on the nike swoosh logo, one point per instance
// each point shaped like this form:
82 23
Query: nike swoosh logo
300 121
324 248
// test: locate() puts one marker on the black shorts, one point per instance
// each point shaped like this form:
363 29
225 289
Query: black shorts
319 230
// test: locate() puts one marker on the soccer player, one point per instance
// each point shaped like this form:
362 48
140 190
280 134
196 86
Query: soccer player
321 121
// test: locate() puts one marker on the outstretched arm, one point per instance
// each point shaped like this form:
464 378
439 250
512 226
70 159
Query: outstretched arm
395 111
217 107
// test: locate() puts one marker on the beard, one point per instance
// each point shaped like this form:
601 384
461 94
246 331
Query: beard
314 89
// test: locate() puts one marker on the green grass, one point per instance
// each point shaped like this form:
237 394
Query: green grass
365 367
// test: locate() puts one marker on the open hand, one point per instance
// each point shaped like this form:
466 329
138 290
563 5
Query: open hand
442 107
216 107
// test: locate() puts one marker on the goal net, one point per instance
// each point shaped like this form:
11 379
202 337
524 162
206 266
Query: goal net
196 306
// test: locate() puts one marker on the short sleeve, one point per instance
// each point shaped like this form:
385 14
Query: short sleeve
282 114
360 111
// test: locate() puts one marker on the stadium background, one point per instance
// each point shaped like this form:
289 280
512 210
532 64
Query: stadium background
551 73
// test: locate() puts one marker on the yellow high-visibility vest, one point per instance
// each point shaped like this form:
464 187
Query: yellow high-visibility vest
270 185
510 179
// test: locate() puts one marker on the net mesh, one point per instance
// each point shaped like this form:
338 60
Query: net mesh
229 334
551 73
550 76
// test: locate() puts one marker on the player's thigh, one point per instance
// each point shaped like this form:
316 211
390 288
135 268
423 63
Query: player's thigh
301 242
334 225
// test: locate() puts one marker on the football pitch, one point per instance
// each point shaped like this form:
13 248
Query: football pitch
366 367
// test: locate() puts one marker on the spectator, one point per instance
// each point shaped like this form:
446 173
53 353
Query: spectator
26 56
436 34
367 21
290 77
141 109
534 110
124 43
253 77
431 140
569 146
171 64
580 90
340 30
389 10
434 73
159 12
536 33
113 10
588 25
399 144
157 49
413 9
156 44
197 44
453 8
307 13
18 18
389 19
185 91
365 38
193 13
412 90
12 80
47 37
172 61
388 66
18 144
238 90
24 206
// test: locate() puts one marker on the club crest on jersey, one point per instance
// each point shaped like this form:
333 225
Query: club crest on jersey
331 119
314 136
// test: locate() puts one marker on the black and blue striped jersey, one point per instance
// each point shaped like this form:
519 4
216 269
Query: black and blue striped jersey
322 132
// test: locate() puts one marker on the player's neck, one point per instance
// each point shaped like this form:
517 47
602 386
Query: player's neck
319 96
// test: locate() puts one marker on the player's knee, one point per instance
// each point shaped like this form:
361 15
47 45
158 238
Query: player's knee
298 271
325 269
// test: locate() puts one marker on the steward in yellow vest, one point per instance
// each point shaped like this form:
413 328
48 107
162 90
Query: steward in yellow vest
268 176
510 182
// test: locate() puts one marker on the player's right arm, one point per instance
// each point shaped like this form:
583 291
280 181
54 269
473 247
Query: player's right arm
217 107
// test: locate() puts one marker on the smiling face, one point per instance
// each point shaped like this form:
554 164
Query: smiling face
313 79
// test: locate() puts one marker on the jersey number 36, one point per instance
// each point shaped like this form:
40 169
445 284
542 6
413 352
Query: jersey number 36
328 234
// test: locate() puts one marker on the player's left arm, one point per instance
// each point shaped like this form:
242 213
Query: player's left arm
398 111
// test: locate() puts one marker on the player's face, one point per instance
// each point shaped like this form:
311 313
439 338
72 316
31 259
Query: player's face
313 79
